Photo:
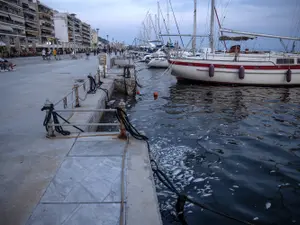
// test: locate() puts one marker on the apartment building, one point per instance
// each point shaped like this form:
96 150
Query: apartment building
12 24
26 24
31 21
94 38
46 24
65 23
86 34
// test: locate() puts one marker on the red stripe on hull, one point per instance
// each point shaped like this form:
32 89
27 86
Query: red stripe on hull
226 66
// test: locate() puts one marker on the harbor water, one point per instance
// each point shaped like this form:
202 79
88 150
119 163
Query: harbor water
234 149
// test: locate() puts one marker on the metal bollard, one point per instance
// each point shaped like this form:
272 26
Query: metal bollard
75 87
99 78
95 78
122 134
50 129
65 101
104 71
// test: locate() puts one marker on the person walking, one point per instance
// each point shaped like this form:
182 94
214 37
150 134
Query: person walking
54 52
49 54
44 54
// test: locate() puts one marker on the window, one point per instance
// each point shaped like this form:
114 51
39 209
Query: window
285 61
298 60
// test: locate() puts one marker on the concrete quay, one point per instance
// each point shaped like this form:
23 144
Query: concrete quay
76 180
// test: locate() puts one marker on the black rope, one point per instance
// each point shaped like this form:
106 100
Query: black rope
55 117
182 198
93 85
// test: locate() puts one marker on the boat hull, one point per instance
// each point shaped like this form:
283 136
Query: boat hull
158 63
228 73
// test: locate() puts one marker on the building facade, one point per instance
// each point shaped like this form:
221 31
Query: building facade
69 28
46 24
12 24
31 21
27 24
61 27
86 34
94 38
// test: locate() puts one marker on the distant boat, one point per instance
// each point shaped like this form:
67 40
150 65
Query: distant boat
159 62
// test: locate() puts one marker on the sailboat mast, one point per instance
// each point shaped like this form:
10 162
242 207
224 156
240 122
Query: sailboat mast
168 17
195 27
212 25
158 16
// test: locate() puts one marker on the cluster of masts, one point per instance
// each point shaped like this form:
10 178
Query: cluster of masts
160 24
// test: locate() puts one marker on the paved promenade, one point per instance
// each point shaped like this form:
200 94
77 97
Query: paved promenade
72 181
28 161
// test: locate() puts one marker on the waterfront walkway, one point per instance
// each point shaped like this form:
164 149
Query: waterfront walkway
64 181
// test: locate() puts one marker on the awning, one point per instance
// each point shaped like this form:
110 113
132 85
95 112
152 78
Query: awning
237 38
6 28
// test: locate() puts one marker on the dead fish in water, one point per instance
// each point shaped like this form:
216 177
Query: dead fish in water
176 172
190 179
199 180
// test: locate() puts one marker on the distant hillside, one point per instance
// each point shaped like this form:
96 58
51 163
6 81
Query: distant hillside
104 41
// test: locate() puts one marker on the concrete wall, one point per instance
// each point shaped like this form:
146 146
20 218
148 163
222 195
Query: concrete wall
61 27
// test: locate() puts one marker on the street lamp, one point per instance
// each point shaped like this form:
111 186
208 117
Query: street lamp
107 39
97 37
73 15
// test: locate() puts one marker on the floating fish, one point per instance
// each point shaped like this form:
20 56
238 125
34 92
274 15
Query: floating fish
235 186
231 189
206 195
199 180
190 179
255 218
176 172
268 205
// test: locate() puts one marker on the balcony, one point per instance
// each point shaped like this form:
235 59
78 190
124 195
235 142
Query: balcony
12 33
31 21
8 10
11 24
47 29
45 16
29 11
11 3
85 32
32 33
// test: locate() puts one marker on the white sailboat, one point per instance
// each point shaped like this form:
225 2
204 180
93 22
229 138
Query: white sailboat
240 68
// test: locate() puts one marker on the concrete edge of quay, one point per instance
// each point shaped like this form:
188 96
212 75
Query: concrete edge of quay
141 203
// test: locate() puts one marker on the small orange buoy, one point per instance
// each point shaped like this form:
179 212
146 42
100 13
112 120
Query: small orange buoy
155 95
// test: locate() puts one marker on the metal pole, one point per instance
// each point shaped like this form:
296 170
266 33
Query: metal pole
212 25
97 37
195 28
50 128
158 17
75 87
122 134
168 17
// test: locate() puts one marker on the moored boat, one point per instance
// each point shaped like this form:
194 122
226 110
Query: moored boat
284 71
247 68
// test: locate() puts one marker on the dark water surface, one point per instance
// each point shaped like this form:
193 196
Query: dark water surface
235 149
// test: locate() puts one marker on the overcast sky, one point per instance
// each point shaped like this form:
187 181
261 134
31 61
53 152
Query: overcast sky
122 19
